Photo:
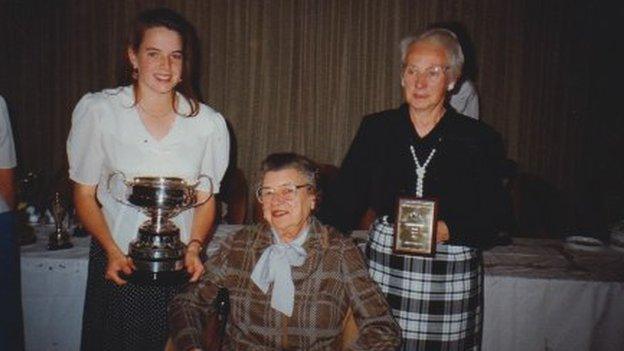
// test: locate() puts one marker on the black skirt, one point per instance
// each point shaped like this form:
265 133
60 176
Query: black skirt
128 317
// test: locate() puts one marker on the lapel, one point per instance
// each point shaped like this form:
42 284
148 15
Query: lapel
262 239
315 246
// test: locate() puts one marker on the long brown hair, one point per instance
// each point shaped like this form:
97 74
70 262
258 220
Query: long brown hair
163 17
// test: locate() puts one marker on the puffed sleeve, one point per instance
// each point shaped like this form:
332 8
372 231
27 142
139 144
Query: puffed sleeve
84 143
216 155
377 330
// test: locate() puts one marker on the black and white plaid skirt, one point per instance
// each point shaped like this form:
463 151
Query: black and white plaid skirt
437 300
128 317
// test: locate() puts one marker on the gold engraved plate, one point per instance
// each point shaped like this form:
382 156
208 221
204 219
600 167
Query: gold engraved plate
415 226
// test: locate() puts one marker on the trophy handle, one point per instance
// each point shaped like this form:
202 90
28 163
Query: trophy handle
192 198
113 195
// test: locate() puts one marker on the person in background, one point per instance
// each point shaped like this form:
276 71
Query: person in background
427 150
291 280
153 126
11 330
465 99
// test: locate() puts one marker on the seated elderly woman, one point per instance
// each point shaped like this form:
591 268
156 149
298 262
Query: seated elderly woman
291 280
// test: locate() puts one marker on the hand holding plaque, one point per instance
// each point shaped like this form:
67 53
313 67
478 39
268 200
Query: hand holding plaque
158 252
415 231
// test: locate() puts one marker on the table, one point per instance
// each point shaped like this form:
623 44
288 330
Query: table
541 296
53 289
538 295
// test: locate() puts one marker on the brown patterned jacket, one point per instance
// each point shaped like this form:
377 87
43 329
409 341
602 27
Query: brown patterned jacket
333 279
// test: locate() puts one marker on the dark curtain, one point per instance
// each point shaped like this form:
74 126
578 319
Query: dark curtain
299 74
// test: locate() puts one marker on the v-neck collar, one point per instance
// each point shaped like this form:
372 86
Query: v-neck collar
413 136
149 135
128 93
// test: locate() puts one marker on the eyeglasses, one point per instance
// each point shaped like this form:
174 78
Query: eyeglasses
287 192
432 73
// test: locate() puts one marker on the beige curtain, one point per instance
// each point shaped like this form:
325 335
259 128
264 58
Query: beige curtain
299 74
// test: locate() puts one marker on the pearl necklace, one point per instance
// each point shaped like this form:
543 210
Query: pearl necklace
421 170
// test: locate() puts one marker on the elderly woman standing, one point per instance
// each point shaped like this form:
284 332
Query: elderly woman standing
291 281
425 149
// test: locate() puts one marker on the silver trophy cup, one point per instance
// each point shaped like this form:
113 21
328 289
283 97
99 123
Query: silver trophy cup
157 252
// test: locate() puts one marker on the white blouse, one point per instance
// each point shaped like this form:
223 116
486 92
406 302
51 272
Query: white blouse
107 135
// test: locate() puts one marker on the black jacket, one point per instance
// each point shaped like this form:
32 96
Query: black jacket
463 175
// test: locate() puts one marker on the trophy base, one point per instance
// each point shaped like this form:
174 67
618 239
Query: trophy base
159 261
60 246
172 278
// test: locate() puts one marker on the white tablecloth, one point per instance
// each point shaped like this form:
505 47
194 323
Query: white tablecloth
541 296
538 296
53 289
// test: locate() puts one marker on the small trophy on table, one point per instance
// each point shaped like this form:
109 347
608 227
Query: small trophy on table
59 238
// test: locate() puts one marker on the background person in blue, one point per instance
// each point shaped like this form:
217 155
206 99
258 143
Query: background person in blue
426 149
11 332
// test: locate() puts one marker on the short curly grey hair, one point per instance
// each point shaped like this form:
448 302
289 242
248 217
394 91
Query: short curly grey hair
446 39
290 160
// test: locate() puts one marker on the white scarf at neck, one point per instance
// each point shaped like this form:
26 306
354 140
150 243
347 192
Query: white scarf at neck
274 267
